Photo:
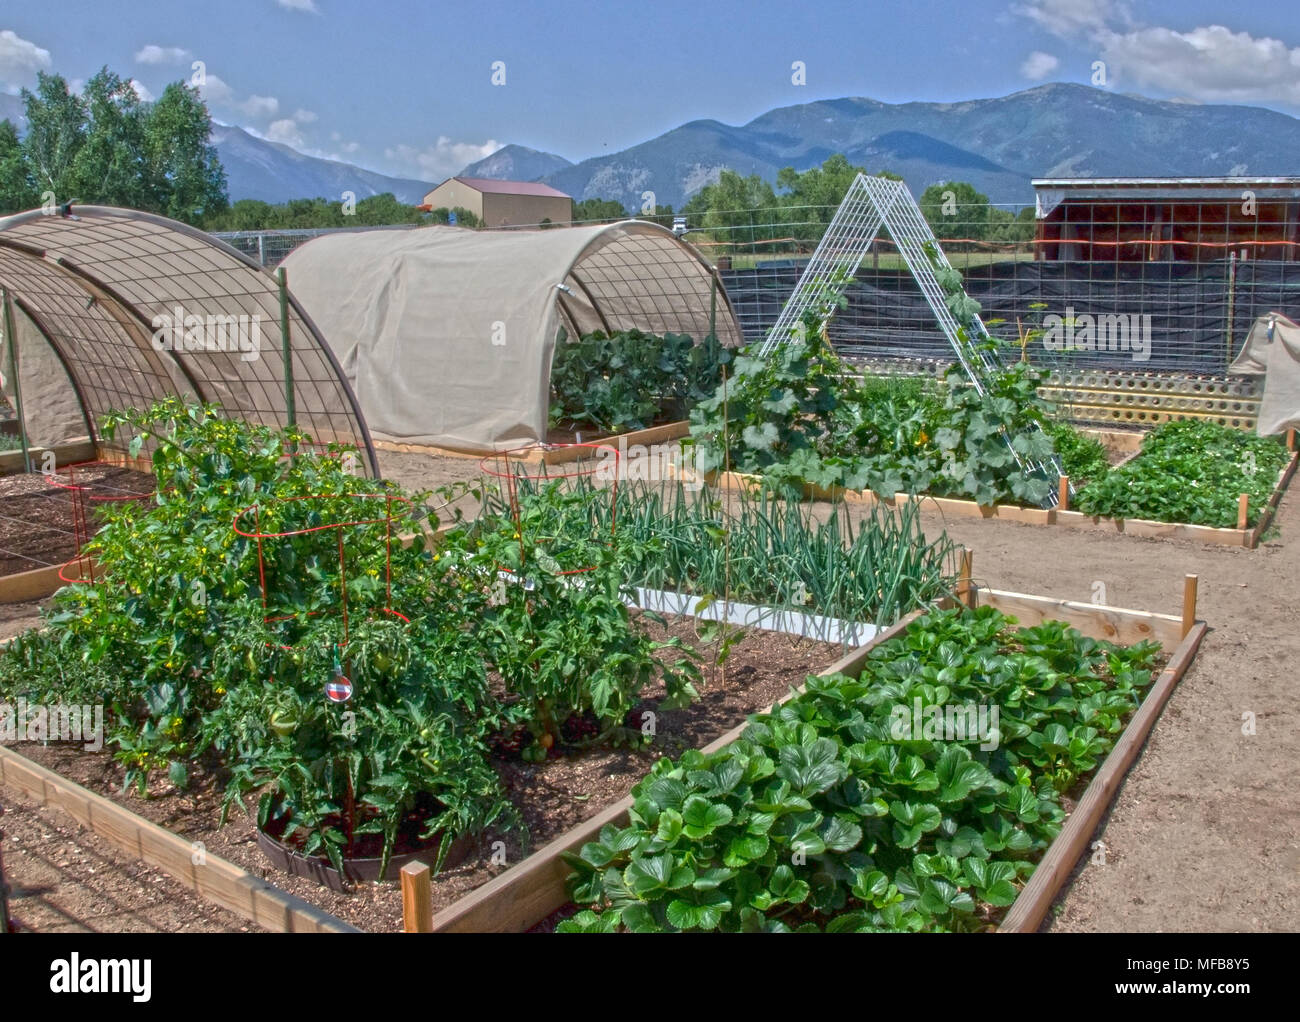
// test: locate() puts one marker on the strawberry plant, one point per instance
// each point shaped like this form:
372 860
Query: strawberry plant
825 815
1191 472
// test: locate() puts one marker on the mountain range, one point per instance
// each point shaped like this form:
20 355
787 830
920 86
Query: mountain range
998 145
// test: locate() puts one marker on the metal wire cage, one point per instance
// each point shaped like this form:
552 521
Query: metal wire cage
137 308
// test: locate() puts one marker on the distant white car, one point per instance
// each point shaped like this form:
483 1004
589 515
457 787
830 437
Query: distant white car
679 225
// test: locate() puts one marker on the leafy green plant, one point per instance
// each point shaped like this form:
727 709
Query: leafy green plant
1190 472
1083 458
762 550
176 641
557 629
825 815
631 379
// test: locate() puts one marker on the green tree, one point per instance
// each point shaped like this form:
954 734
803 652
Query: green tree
382 209
740 212
56 132
111 166
598 209
244 215
17 190
185 173
464 218
954 209
663 216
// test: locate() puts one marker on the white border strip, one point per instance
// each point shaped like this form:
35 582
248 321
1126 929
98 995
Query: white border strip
792 622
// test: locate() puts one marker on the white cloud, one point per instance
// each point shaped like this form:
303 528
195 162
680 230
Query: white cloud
1209 62
260 106
152 54
20 59
440 160
304 116
1038 65
142 91
306 6
1070 18
214 90
286 131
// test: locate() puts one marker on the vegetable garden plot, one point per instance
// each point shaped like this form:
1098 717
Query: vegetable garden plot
1210 473
838 783
46 519
204 649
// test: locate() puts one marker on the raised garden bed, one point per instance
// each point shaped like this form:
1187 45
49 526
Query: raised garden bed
40 526
64 454
1242 536
553 796
534 890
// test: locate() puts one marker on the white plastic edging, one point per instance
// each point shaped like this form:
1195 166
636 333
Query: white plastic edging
792 622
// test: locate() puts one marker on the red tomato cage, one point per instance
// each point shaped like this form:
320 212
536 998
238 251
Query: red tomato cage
252 529
510 466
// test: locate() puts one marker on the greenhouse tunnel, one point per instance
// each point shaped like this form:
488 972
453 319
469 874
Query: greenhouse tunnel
447 334
116 308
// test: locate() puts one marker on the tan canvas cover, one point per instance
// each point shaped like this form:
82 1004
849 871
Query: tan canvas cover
52 414
446 334
1272 350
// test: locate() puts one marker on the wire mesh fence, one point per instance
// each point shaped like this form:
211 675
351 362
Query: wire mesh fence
1182 303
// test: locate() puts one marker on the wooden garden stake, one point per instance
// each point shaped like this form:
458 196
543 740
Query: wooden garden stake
1189 602
1243 503
964 578
1063 500
417 898
1290 439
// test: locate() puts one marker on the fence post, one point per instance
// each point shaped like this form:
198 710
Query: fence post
1189 602
417 898
261 250
11 337
286 351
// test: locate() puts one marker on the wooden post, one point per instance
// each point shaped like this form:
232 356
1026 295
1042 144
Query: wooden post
11 342
417 898
1243 506
1189 602
964 589
1063 497
1290 439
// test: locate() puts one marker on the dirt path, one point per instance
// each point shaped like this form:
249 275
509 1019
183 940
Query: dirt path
65 879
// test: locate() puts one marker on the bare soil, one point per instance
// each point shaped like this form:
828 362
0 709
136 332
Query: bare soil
40 520
552 796
66 879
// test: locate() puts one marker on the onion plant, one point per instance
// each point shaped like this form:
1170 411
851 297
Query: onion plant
759 548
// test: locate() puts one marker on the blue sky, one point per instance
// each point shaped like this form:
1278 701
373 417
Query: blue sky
381 85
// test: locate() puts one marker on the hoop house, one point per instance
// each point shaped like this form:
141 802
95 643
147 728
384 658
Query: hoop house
115 308
447 334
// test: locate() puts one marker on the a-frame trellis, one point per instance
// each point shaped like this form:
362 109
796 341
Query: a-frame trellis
873 203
